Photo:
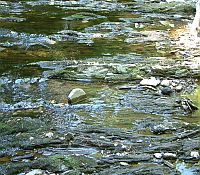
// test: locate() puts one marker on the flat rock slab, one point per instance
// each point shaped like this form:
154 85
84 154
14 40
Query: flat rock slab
150 82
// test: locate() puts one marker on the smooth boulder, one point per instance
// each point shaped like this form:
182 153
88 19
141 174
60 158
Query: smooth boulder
76 95
35 172
150 82
166 90
166 83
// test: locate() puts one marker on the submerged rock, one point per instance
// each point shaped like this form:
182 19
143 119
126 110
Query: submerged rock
76 95
146 36
84 16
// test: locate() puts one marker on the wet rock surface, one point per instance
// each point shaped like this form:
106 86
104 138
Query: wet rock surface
76 95
138 66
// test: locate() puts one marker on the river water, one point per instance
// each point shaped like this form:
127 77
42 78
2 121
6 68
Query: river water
49 47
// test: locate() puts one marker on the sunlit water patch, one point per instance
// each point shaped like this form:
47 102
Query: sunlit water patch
184 170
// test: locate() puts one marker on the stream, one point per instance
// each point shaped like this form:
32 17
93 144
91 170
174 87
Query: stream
115 50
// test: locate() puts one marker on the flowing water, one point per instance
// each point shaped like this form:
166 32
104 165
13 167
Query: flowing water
38 39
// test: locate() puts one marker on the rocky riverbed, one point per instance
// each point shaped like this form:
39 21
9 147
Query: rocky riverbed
136 62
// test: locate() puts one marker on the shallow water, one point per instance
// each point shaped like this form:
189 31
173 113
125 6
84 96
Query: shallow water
38 38
184 170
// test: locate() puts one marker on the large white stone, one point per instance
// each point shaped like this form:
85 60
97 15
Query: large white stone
35 172
194 154
166 82
169 155
158 155
150 82
76 95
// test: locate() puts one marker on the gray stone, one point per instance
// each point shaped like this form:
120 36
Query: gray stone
35 172
150 82
194 154
2 49
158 155
169 156
188 105
121 69
76 95
166 91
179 88
166 82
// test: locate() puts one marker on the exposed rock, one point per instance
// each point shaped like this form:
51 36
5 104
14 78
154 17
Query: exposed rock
158 155
76 95
169 156
162 128
120 69
49 134
35 172
167 24
166 91
179 88
70 172
125 87
166 82
188 105
2 49
194 154
127 158
35 120
150 82
123 163
165 155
